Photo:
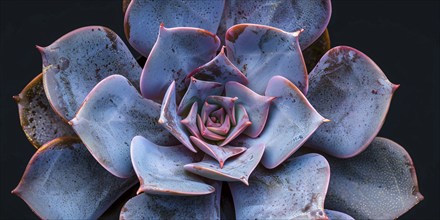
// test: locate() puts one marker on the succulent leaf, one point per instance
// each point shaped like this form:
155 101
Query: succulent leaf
111 115
257 105
335 215
261 52
221 154
39 122
311 15
160 169
190 122
220 69
296 189
291 122
243 123
382 182
237 169
63 181
348 88
145 206
76 62
143 16
171 121
198 91
176 53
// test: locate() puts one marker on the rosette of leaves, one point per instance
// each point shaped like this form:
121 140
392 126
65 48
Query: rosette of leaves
212 131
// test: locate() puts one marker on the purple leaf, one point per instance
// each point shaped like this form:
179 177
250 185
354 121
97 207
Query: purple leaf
144 16
256 105
76 62
295 190
243 122
237 169
111 115
290 15
261 52
160 169
146 206
348 88
37 118
198 91
190 121
63 181
176 53
173 122
379 183
221 154
220 69
291 121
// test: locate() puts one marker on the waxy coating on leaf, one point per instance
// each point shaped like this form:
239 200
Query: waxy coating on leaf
291 122
261 52
39 122
144 16
220 69
198 91
379 183
111 115
171 121
296 189
257 106
79 60
291 15
238 169
145 206
243 123
176 53
348 88
160 169
63 181
221 154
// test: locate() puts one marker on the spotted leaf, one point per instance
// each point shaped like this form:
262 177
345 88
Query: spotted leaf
348 88
39 122
76 62
63 181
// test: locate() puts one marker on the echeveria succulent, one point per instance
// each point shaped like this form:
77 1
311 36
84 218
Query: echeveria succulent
223 120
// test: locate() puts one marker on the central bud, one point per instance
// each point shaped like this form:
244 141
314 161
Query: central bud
215 107
218 121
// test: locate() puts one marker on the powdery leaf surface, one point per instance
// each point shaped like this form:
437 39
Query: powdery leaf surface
111 115
63 181
160 169
78 61
379 183
296 189
144 16
348 88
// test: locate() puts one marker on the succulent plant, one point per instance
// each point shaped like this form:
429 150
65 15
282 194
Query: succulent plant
193 124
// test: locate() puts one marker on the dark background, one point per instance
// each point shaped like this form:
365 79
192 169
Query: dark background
402 37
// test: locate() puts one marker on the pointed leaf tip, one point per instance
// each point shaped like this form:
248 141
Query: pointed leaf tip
160 169
38 120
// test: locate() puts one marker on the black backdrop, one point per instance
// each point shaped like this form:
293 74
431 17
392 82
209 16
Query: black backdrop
402 37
